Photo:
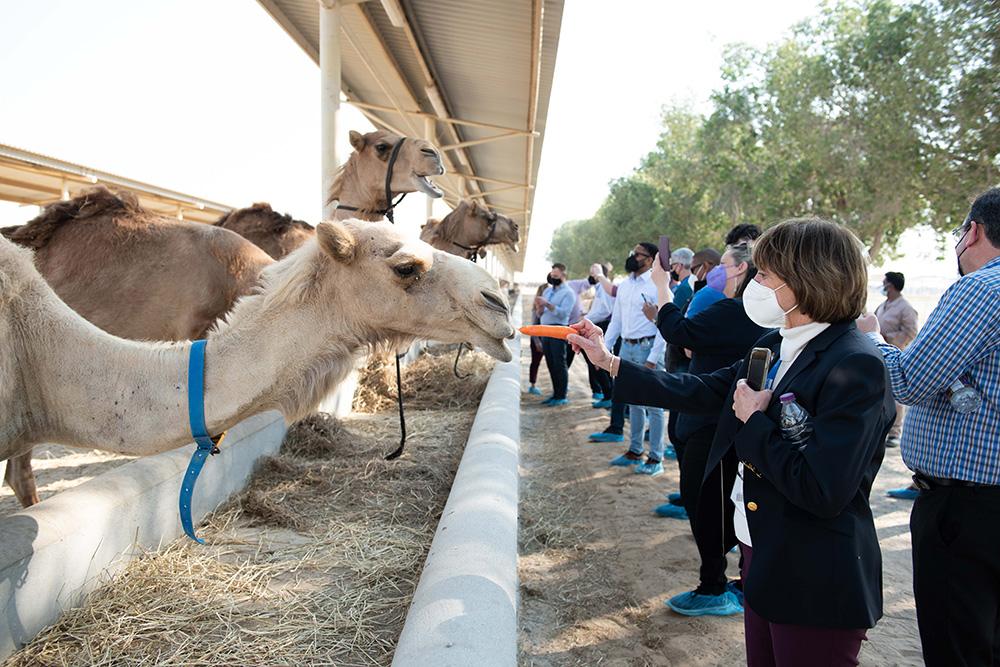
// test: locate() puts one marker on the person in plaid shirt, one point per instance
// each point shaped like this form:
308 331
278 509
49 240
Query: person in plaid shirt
954 452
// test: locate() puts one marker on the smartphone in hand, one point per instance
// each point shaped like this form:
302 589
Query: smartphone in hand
760 364
664 252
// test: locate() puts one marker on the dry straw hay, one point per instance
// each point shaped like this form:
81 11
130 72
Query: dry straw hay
314 563
428 383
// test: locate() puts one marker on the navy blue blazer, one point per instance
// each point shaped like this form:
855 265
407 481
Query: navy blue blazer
718 336
816 558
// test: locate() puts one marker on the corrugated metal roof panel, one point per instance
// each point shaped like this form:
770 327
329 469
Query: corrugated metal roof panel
479 54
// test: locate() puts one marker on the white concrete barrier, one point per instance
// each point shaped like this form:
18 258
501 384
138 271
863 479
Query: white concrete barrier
55 553
464 611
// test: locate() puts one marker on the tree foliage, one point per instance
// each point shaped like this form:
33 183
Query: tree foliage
875 114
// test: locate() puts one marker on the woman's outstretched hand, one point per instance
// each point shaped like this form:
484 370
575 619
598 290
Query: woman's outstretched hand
590 339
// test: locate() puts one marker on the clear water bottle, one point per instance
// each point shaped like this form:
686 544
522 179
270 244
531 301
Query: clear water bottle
794 421
964 399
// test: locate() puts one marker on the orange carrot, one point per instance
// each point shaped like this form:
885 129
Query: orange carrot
548 331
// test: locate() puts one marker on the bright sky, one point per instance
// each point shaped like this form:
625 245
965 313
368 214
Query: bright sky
213 99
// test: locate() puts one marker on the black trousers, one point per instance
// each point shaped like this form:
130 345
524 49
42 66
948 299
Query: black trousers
956 575
536 360
712 521
555 361
600 379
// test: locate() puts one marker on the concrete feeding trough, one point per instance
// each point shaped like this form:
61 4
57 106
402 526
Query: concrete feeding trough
464 611
53 554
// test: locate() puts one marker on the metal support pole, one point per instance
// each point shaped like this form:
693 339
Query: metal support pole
329 67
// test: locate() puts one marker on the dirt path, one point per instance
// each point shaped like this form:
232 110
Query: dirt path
596 564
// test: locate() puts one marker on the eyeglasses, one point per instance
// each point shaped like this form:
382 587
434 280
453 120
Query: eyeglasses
640 254
962 229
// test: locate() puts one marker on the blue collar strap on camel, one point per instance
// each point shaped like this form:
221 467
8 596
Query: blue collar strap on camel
206 444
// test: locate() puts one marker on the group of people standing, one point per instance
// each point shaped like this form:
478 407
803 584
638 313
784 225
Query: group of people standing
784 470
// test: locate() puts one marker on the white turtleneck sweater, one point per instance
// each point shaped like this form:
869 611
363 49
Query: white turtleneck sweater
793 341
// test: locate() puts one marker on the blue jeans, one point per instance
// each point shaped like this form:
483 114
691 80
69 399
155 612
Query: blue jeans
637 414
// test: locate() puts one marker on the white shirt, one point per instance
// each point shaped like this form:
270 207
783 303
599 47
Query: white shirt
793 341
627 319
602 305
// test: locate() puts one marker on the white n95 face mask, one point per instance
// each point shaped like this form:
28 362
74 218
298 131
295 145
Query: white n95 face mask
761 305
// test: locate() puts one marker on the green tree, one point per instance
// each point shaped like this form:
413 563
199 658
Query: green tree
875 114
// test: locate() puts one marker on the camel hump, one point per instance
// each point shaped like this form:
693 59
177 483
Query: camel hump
260 218
97 201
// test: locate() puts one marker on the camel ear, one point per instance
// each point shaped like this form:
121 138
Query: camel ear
337 241
357 140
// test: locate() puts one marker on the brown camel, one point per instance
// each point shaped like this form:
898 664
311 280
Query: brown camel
470 229
274 233
281 348
147 277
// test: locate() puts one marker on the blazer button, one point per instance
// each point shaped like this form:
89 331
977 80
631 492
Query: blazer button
752 506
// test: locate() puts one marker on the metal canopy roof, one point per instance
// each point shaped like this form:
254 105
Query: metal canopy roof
33 178
472 76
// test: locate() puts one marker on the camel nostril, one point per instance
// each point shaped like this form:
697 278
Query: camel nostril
429 151
494 302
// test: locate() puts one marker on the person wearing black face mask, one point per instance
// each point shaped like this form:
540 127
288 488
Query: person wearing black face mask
556 305
949 376
641 343
599 314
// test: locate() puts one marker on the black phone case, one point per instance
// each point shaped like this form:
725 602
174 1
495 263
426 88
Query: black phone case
757 371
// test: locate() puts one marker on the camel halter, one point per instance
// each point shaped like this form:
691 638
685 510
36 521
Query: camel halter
387 212
390 205
474 249
206 444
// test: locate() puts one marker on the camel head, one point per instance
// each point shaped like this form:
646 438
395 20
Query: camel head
416 161
480 220
403 289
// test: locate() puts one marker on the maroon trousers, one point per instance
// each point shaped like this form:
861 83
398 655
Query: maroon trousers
779 645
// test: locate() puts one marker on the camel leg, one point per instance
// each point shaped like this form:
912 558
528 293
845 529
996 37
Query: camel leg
21 478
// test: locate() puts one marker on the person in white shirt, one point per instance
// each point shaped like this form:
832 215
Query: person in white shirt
642 344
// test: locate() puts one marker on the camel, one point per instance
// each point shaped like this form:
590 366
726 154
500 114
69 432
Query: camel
147 277
274 233
469 229
283 347
359 188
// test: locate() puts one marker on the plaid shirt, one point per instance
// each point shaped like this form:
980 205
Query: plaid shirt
960 340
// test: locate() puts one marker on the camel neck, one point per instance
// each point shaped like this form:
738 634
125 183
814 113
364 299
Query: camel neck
368 200
131 397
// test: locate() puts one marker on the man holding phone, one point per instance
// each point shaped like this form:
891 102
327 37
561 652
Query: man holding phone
642 344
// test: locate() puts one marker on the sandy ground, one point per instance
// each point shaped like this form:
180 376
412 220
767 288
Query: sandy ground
596 564
58 468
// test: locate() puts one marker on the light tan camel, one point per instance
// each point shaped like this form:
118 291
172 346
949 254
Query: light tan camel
284 347
275 233
469 229
147 277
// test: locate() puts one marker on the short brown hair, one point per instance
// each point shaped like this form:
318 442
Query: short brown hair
823 263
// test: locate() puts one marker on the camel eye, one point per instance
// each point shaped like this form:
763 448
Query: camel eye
381 148
405 270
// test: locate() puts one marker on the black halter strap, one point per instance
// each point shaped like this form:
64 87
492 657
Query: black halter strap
390 205
474 249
